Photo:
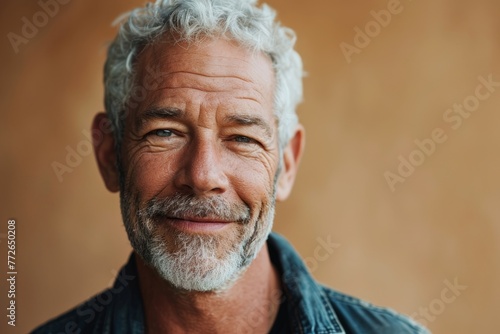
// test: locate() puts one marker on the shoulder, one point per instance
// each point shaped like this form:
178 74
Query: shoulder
358 316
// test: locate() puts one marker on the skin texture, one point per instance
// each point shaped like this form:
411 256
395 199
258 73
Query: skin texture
205 128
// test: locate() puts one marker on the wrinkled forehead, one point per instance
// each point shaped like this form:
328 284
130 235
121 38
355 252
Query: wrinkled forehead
212 57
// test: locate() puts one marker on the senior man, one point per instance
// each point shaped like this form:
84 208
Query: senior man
201 95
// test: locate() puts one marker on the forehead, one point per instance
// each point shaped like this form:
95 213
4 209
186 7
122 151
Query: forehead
210 65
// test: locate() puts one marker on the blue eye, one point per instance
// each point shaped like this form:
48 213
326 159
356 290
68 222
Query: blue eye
243 139
163 133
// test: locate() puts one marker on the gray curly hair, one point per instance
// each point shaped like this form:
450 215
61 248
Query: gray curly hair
191 20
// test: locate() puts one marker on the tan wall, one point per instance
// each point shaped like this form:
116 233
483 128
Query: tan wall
396 247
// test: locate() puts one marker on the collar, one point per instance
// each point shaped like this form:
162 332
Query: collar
308 306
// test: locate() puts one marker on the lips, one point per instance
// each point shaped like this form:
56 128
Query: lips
197 225
201 220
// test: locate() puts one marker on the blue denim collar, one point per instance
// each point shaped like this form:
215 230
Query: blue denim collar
309 308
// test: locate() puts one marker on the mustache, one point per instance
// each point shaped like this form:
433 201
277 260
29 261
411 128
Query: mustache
184 206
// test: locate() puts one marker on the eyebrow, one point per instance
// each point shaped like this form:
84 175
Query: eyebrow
176 113
250 120
158 113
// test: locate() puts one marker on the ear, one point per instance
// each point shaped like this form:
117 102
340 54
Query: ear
104 149
291 159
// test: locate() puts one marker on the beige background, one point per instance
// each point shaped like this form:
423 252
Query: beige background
396 248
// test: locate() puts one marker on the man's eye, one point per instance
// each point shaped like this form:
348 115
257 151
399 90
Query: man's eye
243 139
163 133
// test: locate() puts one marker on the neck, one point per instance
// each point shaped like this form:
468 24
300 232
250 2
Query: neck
249 306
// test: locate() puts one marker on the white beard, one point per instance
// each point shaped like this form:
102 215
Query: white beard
197 265
199 262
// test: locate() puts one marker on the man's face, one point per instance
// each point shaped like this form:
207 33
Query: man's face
199 161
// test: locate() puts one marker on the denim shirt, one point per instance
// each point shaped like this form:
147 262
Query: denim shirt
311 307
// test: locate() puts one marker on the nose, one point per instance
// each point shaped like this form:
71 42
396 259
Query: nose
202 171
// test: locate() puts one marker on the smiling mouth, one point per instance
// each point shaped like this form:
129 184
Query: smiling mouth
197 225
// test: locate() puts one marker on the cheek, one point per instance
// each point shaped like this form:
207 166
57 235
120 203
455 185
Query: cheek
151 173
253 181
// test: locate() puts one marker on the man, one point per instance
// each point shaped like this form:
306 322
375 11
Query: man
201 95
